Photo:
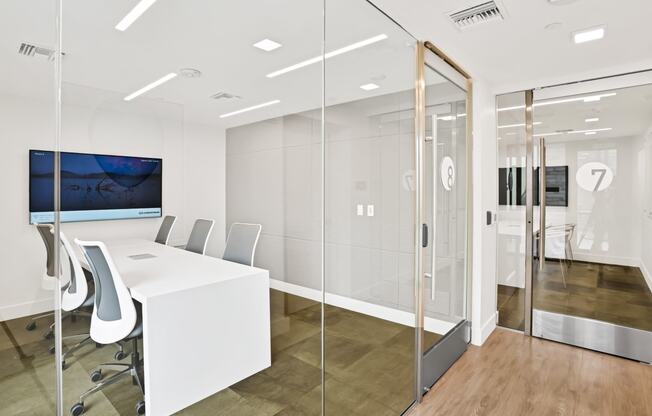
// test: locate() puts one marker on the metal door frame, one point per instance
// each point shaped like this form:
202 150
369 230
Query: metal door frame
454 343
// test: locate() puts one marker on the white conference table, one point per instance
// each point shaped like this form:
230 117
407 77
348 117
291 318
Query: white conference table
206 321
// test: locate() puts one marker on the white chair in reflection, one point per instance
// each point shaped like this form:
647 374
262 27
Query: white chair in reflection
241 243
49 281
564 233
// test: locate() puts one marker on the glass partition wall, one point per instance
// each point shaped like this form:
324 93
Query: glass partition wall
168 125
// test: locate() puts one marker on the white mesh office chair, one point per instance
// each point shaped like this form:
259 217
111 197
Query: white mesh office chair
116 317
241 243
199 235
163 235
46 231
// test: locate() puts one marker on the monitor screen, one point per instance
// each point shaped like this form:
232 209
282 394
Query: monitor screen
95 187
511 186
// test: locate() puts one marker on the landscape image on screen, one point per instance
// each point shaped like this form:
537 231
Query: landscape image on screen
95 187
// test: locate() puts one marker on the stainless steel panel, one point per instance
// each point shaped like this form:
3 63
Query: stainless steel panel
595 335
444 354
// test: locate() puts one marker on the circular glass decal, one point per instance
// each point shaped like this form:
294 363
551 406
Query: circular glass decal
594 176
447 173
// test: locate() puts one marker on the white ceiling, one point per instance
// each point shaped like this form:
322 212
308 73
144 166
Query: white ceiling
216 37
519 53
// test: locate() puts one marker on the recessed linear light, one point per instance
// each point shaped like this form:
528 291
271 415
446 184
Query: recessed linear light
267 45
253 107
586 99
327 55
588 35
148 87
552 133
369 87
591 133
506 126
446 118
591 120
134 14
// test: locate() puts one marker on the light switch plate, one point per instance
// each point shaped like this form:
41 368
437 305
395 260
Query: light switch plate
360 209
370 210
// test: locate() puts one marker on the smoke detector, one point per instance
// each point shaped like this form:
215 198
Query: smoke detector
473 16
31 50
224 96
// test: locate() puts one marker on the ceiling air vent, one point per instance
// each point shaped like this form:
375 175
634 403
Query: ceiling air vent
225 96
28 49
472 16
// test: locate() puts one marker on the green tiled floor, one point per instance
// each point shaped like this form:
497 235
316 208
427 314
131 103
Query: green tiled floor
369 369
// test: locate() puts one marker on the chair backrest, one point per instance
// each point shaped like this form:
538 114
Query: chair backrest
241 243
47 234
76 292
114 313
199 236
163 234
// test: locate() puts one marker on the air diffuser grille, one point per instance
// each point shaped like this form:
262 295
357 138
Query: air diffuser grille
475 15
28 49
225 96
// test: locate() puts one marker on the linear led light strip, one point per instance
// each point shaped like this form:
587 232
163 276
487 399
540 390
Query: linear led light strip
253 107
327 55
134 14
151 86
588 99
507 126
557 133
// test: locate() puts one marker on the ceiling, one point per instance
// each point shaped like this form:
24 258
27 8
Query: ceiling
625 112
102 65
520 53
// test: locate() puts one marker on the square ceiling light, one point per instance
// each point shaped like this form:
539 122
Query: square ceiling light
369 87
588 35
267 45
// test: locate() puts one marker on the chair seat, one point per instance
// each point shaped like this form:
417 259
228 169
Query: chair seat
138 328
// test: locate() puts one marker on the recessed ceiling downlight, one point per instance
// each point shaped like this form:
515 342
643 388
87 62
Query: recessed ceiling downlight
190 73
588 35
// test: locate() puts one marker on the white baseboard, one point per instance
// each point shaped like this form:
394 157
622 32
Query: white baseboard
25 309
618 261
480 335
382 312
646 275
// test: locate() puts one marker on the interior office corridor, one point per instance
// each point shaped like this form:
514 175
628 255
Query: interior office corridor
325 207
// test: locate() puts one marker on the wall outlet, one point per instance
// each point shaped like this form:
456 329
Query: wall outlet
360 210
370 210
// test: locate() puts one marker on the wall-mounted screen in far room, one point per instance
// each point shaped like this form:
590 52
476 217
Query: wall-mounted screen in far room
95 187
511 186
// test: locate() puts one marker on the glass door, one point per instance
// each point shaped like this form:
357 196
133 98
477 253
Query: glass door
591 219
444 331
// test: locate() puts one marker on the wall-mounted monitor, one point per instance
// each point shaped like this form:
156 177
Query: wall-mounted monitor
511 186
94 187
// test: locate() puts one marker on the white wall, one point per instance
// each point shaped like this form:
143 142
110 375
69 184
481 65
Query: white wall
193 182
484 199
643 184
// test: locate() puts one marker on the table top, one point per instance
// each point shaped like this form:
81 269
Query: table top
150 269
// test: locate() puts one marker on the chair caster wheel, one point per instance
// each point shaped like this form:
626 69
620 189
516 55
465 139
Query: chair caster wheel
140 407
77 409
31 326
96 376
48 335
51 349
119 355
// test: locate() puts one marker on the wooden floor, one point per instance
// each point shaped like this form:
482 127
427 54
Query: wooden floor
512 374
609 293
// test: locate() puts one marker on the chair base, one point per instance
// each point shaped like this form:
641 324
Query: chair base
133 369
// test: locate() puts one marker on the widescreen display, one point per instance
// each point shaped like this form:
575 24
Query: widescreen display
95 187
